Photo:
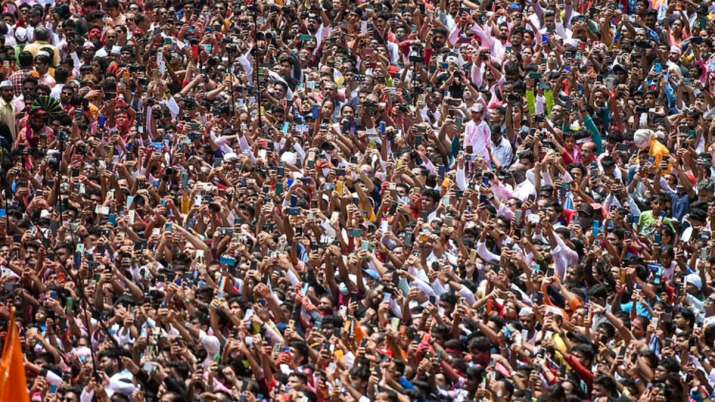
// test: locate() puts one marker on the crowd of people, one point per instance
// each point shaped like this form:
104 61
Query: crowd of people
280 200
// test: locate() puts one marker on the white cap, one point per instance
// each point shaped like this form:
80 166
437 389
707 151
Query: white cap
21 34
230 157
642 136
477 107
525 312
6 84
694 279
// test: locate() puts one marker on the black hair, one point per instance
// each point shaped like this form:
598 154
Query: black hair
61 75
25 58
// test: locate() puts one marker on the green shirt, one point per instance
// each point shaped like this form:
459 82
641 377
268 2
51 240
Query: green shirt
647 222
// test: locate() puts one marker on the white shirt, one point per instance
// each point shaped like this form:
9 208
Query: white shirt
57 91
503 152
564 257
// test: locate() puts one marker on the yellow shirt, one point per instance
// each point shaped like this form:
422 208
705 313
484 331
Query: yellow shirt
659 151
36 46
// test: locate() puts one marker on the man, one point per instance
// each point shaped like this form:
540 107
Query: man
110 41
120 380
503 154
42 37
42 67
7 113
648 221
645 139
25 60
477 134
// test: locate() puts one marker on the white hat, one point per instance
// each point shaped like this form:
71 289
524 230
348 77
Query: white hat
6 84
477 107
694 279
526 312
230 157
642 136
21 34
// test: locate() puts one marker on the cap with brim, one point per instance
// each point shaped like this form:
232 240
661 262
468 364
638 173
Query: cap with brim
694 279
6 84
477 108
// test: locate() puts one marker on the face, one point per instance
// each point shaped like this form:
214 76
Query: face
325 304
6 93
35 18
680 321
295 383
587 152
107 364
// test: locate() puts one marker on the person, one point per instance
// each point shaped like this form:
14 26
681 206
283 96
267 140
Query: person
41 43
7 114
373 201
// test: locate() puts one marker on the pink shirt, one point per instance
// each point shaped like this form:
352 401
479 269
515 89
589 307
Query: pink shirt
479 136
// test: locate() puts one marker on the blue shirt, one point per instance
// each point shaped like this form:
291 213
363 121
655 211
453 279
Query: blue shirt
640 309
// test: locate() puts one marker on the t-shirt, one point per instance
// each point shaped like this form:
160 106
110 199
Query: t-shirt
647 222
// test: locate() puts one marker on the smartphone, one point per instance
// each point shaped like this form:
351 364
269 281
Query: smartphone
169 228
69 305
408 239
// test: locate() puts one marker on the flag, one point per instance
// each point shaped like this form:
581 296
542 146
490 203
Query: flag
13 385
